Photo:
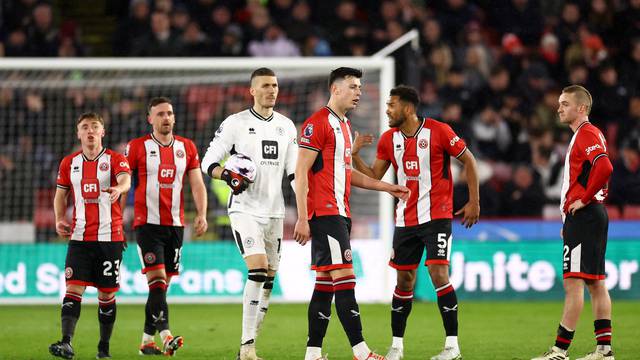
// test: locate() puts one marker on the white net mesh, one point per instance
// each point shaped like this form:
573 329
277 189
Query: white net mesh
38 110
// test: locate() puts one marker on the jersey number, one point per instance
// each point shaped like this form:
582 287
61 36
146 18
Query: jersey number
108 266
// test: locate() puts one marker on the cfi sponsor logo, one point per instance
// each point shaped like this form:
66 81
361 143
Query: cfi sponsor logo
180 154
347 255
68 272
149 258
592 148
104 166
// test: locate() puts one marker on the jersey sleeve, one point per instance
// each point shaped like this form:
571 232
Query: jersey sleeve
592 144
130 152
192 156
313 134
119 164
292 151
384 146
219 147
64 174
451 142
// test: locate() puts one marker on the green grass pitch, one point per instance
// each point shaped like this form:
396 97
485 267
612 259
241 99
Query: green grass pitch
488 330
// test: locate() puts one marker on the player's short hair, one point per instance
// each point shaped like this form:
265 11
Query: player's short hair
581 94
407 94
90 115
342 73
263 71
157 101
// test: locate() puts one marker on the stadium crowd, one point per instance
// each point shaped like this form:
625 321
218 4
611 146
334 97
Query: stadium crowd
493 70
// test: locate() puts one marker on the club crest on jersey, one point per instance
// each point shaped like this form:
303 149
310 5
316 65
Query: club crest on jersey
280 130
68 272
308 130
104 166
180 154
423 143
347 255
149 258
219 131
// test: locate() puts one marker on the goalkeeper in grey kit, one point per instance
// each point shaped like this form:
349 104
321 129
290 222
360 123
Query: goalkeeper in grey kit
263 147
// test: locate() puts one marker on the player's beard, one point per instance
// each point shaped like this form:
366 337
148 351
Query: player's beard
165 130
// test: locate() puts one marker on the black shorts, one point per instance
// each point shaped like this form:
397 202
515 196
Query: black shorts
160 247
94 263
330 245
585 242
409 244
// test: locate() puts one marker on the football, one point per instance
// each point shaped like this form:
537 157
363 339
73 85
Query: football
241 164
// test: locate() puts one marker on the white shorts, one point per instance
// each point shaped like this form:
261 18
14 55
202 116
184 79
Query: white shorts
256 235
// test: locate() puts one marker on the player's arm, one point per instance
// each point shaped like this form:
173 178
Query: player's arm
124 184
363 181
63 228
306 158
291 158
199 192
471 210
219 148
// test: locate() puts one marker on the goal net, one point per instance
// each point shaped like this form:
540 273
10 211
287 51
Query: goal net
40 101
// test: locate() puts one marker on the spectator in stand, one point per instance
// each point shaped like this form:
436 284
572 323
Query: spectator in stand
578 74
161 41
491 133
136 26
196 42
600 19
630 66
548 166
275 43
280 10
521 18
521 195
430 103
42 36
567 29
452 115
16 44
454 15
232 42
611 99
624 187
497 86
180 18
345 27
299 26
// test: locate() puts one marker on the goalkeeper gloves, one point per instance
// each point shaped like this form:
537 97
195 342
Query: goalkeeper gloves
236 182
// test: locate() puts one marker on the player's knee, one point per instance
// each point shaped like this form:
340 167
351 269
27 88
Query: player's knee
76 289
106 295
257 275
406 280
439 274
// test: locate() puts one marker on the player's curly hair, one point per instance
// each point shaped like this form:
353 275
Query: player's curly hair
407 94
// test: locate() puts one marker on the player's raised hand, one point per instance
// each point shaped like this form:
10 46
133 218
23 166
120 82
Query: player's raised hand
302 232
63 228
399 191
200 224
114 193
470 213
236 182
360 141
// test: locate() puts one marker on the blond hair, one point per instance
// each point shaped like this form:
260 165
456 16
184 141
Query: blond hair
582 95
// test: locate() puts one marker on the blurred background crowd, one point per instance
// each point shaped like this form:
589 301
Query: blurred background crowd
493 70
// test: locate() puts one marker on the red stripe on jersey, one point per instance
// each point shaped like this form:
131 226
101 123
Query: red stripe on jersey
91 209
582 275
166 193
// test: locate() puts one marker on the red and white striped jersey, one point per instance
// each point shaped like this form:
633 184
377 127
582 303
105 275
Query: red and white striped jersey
95 218
330 175
586 146
160 172
422 163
